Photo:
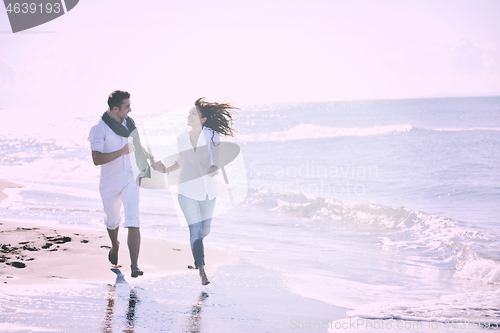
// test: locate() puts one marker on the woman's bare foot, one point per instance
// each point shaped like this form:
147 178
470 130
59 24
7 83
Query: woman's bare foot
135 271
203 275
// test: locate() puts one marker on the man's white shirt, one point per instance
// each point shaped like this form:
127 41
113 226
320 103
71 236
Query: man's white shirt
117 173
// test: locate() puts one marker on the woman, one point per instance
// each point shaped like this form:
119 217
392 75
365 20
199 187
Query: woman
198 161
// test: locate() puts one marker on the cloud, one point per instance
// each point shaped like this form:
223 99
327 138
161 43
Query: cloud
7 85
467 57
491 54
7 75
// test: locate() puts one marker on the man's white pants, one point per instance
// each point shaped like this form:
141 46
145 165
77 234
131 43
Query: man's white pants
112 199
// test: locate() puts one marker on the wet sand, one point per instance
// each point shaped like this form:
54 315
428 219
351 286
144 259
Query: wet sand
35 254
58 279
31 254
6 184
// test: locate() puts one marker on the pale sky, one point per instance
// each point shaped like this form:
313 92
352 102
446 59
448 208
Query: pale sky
168 53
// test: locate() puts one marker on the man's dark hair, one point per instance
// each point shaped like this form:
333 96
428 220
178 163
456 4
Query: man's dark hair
116 98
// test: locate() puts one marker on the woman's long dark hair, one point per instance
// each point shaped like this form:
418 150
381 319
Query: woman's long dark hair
219 116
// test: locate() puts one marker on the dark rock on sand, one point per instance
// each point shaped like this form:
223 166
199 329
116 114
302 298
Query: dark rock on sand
17 264
29 248
6 248
59 239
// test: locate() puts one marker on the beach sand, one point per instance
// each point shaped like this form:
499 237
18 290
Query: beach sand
34 254
31 254
357 324
58 279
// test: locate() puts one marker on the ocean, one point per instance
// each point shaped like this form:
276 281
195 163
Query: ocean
388 208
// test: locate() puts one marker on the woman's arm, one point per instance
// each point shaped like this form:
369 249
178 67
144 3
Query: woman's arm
213 144
159 166
171 168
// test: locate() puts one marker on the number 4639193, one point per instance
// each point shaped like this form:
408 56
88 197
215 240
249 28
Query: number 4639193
32 8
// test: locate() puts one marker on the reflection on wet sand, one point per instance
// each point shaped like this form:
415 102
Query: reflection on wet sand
132 303
131 311
118 292
194 325
108 318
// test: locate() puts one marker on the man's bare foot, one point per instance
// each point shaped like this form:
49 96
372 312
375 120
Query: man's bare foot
113 255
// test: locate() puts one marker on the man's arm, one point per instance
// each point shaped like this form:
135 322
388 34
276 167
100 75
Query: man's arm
102 158
149 156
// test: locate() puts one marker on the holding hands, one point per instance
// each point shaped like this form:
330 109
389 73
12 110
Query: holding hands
158 166
213 171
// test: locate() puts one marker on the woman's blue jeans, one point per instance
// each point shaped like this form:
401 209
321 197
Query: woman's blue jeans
198 215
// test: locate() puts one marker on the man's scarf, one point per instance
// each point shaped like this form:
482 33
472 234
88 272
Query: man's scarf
141 159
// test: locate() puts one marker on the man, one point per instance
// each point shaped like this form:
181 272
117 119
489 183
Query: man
110 149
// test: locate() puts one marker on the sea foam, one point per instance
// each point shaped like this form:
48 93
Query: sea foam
310 131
